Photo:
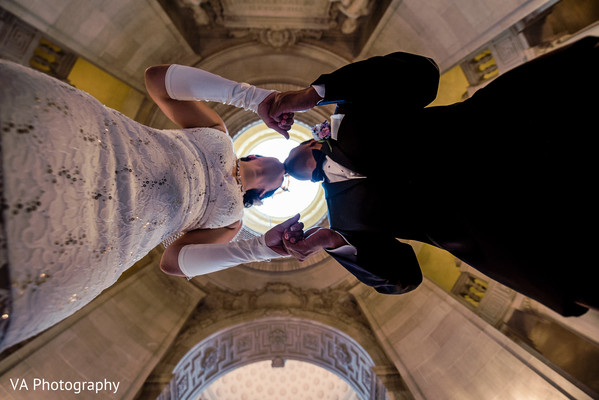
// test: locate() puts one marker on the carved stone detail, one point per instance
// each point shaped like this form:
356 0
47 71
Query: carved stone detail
277 339
275 298
278 322
275 23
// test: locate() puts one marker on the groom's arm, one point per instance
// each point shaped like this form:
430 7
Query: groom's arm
406 80
377 260
401 79
383 262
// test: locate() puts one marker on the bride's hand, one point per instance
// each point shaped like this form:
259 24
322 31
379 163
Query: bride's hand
314 240
290 230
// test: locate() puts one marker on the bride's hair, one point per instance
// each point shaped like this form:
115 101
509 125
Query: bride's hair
252 197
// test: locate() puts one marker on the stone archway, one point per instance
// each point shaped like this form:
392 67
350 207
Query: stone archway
274 338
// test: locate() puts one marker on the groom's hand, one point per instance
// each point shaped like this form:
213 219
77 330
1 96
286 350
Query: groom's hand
315 240
289 231
283 121
285 103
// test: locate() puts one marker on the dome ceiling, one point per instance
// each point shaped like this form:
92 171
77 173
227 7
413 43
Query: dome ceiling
297 379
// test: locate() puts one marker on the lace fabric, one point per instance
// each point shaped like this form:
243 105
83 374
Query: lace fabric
87 192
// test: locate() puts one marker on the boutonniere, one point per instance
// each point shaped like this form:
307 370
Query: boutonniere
322 133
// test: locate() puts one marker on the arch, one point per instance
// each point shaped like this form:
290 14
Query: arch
259 65
274 338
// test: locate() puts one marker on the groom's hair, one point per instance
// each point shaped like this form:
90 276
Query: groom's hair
292 164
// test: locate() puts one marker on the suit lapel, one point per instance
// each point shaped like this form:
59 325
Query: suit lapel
337 155
348 208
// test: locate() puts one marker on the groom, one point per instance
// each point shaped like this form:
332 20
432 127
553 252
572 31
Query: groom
502 180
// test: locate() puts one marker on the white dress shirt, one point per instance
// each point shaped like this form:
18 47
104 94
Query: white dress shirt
334 171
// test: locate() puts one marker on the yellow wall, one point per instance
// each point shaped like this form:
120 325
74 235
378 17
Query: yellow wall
452 86
438 265
106 88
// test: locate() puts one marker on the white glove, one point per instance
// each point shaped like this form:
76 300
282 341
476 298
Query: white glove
188 83
201 259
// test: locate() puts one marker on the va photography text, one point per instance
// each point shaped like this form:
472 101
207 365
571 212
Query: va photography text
75 387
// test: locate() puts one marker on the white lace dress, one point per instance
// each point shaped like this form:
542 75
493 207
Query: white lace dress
87 192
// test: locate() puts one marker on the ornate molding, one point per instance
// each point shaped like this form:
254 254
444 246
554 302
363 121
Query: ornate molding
280 299
278 24
277 38
277 339
277 322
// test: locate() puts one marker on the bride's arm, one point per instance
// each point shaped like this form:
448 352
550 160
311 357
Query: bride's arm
204 251
184 113
169 263
178 89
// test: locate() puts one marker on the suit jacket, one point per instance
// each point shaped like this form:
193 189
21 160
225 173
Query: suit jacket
419 160
360 208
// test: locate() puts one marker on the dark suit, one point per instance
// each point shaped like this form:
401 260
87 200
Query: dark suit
502 180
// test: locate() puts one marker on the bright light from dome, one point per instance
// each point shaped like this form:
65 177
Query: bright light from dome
300 194
304 197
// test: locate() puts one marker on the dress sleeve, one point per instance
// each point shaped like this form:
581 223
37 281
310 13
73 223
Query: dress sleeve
188 83
201 259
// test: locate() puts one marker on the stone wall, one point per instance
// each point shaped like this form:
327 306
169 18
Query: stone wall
444 351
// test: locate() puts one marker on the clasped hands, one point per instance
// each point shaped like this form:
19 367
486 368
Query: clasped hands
289 239
277 109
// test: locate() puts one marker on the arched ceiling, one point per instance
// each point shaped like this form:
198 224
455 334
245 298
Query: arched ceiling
303 38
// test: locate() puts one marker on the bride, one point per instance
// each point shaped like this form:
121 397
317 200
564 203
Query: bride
87 192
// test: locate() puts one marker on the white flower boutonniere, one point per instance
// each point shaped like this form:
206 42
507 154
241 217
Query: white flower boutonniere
322 133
